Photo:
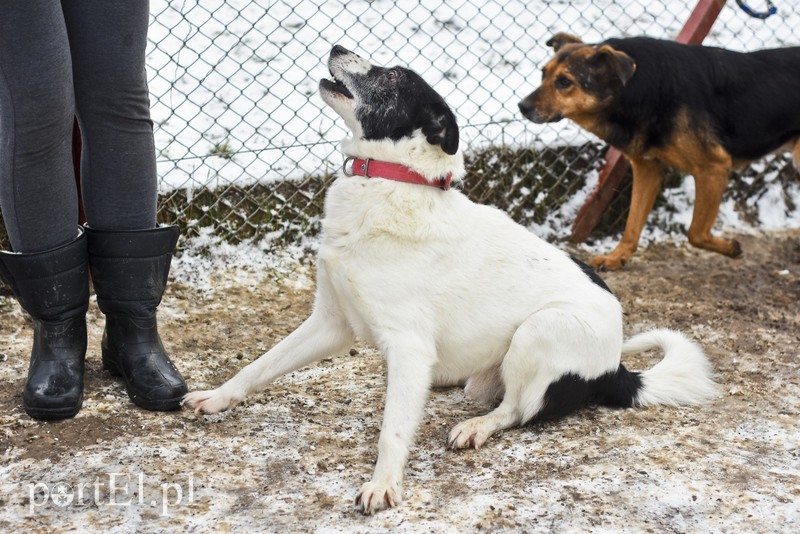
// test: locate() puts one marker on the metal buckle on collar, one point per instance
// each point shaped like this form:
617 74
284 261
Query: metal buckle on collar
349 172
345 170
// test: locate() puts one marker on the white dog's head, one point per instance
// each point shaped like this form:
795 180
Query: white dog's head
393 114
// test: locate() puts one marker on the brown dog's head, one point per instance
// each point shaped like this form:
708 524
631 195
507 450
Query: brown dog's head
578 82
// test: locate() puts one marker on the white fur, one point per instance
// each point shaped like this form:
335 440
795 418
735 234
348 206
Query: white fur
451 292
682 377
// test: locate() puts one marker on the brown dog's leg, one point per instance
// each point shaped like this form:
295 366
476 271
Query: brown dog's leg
647 175
710 186
796 154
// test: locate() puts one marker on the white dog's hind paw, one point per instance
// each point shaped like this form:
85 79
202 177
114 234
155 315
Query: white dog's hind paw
376 496
208 402
470 434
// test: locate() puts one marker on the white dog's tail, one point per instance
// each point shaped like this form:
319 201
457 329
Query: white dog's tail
683 376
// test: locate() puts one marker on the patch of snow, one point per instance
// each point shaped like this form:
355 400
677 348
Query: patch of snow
208 262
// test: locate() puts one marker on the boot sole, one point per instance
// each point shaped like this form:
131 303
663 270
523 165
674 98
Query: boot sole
163 405
52 414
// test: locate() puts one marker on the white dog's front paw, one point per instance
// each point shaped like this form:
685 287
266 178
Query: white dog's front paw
376 496
471 433
208 402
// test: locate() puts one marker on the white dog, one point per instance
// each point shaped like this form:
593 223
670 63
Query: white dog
453 293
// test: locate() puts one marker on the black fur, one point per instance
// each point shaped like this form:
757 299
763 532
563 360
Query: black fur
750 100
615 389
393 103
407 104
591 273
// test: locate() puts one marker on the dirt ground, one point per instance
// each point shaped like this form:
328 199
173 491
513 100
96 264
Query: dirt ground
293 457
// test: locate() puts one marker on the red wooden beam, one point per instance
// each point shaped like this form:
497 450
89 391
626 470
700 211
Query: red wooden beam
700 21
616 166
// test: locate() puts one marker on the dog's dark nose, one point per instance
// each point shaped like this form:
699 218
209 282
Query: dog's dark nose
525 106
338 50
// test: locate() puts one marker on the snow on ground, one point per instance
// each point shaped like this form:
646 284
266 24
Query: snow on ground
292 458
209 262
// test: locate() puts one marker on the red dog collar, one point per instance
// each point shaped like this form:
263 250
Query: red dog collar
369 168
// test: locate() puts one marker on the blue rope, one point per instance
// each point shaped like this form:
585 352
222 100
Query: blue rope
771 10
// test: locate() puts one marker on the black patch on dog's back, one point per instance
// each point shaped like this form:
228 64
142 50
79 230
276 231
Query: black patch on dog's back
591 273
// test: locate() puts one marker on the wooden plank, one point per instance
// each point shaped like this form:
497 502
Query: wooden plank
700 21
592 210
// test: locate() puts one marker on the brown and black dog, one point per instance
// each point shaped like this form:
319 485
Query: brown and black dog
702 110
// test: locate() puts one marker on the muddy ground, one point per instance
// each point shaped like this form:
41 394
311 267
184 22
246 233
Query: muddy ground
292 458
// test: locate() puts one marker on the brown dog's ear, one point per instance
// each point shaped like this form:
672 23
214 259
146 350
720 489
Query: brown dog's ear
560 39
623 65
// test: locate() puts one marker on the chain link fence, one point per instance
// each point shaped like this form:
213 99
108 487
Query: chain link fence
246 146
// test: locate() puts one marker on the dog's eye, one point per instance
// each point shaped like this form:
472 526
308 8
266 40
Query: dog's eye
562 82
391 75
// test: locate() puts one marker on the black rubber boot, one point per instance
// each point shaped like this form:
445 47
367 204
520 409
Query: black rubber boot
129 273
53 287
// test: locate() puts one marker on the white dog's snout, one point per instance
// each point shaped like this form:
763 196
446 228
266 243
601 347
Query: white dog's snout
343 61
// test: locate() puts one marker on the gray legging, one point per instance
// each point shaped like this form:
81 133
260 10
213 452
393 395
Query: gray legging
64 58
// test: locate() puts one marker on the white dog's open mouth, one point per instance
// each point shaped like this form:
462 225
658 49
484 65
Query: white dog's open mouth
335 86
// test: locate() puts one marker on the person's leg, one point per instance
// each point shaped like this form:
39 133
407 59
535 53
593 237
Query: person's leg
118 167
129 257
129 273
48 271
38 197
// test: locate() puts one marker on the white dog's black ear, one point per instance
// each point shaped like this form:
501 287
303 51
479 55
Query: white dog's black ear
440 127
